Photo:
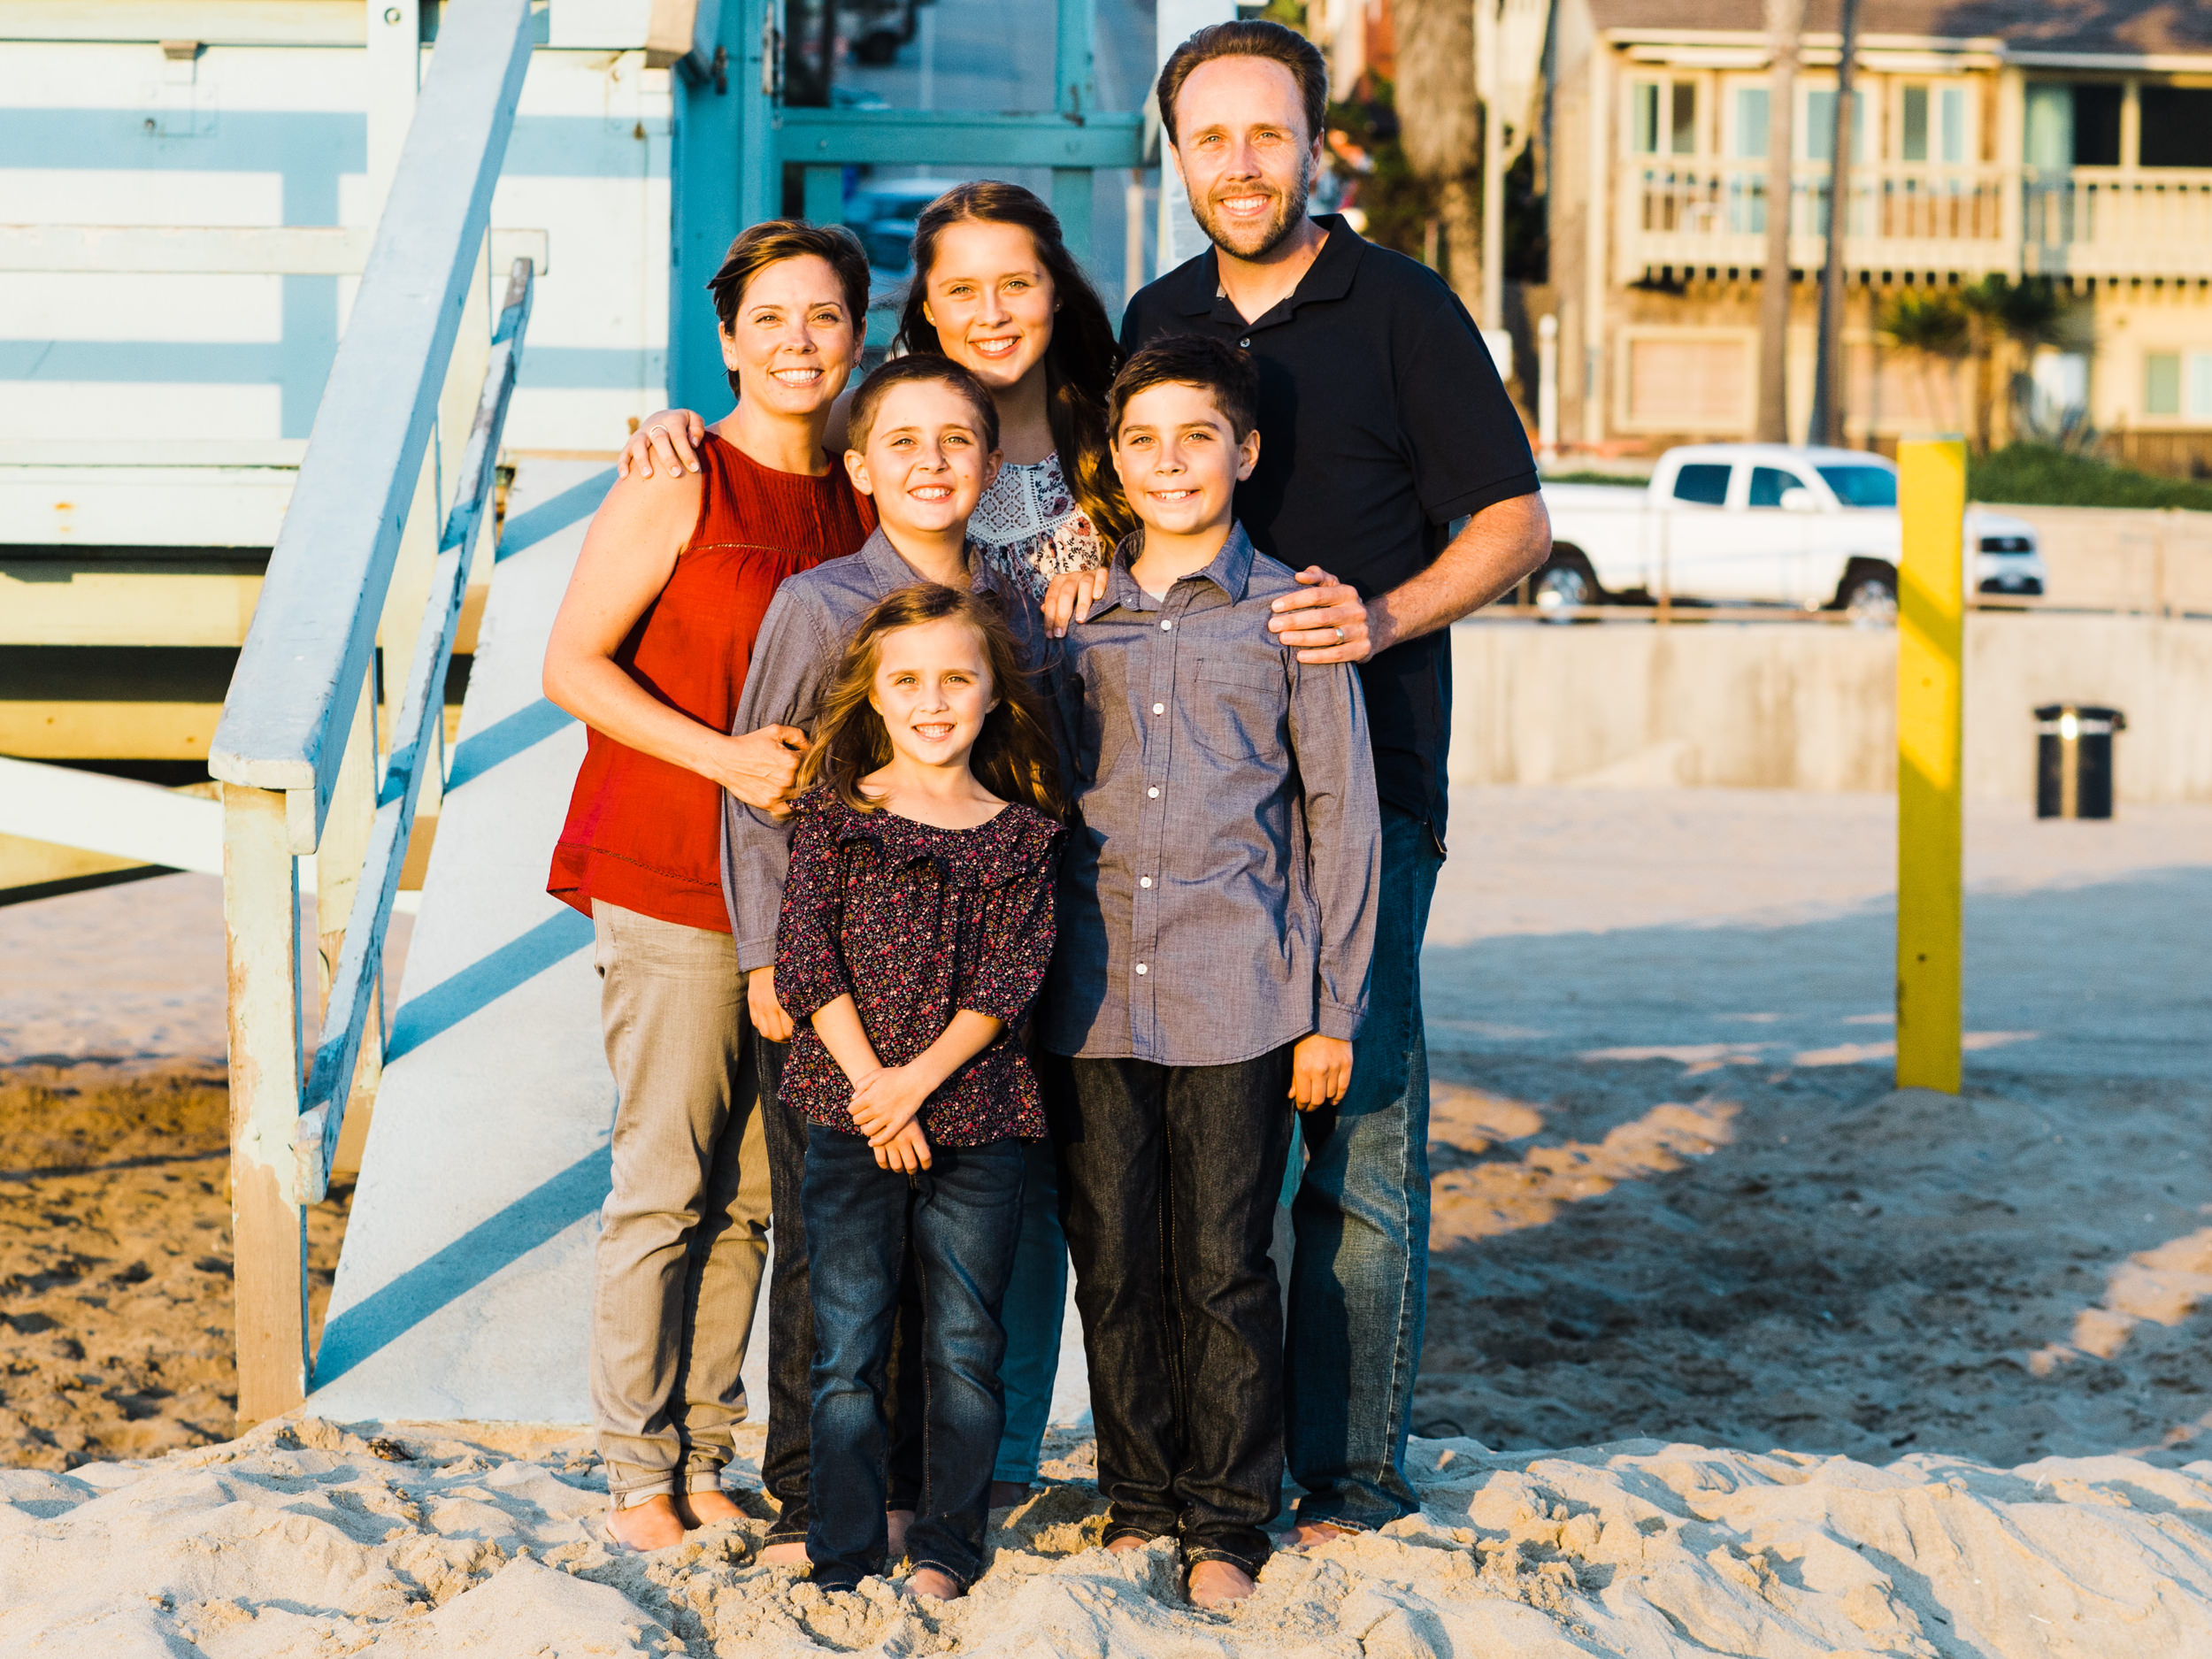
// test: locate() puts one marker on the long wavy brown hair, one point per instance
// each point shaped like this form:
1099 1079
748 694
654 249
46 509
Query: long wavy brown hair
1080 364
1014 757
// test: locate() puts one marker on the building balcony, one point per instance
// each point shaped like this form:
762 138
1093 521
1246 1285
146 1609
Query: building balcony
1686 218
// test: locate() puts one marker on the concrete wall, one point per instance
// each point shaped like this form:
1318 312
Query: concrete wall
2124 556
1804 706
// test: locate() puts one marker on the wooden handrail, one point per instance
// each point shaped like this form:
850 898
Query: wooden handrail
416 746
294 693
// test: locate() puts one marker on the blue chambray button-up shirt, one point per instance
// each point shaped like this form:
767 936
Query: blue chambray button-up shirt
1218 888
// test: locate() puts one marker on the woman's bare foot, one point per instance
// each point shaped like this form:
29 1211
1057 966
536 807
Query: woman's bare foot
652 1525
1215 1584
1313 1534
1006 1493
789 1554
709 1508
894 1525
929 1583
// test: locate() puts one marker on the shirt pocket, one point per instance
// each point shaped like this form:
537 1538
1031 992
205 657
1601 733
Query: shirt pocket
1234 709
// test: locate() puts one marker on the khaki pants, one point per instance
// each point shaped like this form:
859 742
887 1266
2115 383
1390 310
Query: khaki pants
683 1234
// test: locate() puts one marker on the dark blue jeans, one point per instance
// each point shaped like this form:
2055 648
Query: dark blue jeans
1169 1181
1359 1279
961 1218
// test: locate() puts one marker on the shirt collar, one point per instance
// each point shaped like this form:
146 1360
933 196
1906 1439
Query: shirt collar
1328 278
1230 570
889 568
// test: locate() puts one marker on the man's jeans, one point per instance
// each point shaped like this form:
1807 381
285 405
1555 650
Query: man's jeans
683 1230
960 1219
1170 1177
1359 1280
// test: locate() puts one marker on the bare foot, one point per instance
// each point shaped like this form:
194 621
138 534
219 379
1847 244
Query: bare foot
708 1509
894 1525
791 1554
652 1525
1006 1493
928 1583
1313 1534
1219 1583
1126 1542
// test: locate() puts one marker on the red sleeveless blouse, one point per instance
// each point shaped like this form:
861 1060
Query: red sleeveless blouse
645 834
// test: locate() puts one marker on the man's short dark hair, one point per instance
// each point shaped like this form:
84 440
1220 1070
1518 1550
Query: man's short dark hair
1191 360
860 418
1255 39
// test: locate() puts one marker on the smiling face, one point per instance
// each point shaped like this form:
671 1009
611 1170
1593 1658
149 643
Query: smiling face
1245 157
991 300
925 462
1180 458
792 343
933 688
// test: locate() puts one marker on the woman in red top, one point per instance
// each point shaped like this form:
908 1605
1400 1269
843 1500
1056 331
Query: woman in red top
650 651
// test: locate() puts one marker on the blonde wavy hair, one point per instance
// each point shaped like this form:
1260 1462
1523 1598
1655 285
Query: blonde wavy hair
1015 758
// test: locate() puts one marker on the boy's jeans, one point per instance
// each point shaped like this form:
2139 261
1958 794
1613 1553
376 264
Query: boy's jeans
1170 1180
961 1218
1036 1299
1359 1280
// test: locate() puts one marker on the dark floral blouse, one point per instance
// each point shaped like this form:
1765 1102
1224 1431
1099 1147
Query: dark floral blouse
917 923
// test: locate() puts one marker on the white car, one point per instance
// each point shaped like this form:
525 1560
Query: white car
1759 524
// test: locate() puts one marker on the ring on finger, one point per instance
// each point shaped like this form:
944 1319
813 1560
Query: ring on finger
649 431
1339 636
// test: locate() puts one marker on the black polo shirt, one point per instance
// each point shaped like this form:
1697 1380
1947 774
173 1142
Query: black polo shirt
1382 419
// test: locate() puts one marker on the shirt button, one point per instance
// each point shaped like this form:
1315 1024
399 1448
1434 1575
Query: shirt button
1246 342
1140 967
1152 794
1144 881
1165 627
1159 707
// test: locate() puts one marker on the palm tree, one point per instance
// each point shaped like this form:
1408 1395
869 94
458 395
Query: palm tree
1786 23
1440 129
1932 326
2004 318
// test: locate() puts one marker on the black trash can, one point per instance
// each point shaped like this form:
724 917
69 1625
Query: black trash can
2073 759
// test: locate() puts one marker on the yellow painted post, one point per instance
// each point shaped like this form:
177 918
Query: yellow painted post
1930 641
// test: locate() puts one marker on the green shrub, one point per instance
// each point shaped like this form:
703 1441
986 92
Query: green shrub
2038 475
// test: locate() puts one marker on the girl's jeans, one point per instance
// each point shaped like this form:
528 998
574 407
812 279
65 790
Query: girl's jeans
961 1218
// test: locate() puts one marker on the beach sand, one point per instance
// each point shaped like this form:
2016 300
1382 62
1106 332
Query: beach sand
1677 1206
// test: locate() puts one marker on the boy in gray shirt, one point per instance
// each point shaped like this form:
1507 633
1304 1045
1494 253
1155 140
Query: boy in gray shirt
1216 917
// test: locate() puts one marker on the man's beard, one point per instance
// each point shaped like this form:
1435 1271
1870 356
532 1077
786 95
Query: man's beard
1256 242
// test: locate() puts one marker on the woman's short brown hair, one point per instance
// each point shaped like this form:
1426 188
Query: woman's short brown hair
1256 38
774 240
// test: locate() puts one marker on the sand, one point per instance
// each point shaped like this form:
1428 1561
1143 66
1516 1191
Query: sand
421 1539
1677 1207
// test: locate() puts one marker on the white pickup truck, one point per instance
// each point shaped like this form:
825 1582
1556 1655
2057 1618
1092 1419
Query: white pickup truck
1758 524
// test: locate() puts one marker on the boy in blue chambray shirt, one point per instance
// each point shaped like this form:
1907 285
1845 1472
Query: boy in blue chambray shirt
1217 915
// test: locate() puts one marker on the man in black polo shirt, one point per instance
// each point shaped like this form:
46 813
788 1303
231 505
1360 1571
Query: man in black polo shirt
1382 420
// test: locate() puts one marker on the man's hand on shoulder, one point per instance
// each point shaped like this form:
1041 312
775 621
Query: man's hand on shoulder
1326 624
1071 597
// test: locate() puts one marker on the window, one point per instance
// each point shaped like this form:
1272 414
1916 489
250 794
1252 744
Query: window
1767 485
1704 483
1666 118
1862 486
2200 387
1820 126
1943 140
1751 124
2162 382
2073 124
2176 126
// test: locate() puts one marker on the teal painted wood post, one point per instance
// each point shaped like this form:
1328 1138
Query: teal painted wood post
704 213
753 79
825 195
1072 92
1071 201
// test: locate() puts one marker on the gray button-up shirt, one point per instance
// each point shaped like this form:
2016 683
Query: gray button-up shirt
1219 892
801 638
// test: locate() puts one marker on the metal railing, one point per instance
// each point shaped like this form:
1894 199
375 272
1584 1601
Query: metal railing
295 750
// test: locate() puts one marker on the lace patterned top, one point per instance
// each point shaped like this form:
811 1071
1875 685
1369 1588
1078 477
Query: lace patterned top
1028 528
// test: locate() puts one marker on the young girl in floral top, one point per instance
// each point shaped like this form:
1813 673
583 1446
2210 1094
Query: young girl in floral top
917 927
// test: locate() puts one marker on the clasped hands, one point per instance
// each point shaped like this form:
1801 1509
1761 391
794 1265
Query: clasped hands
885 1106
